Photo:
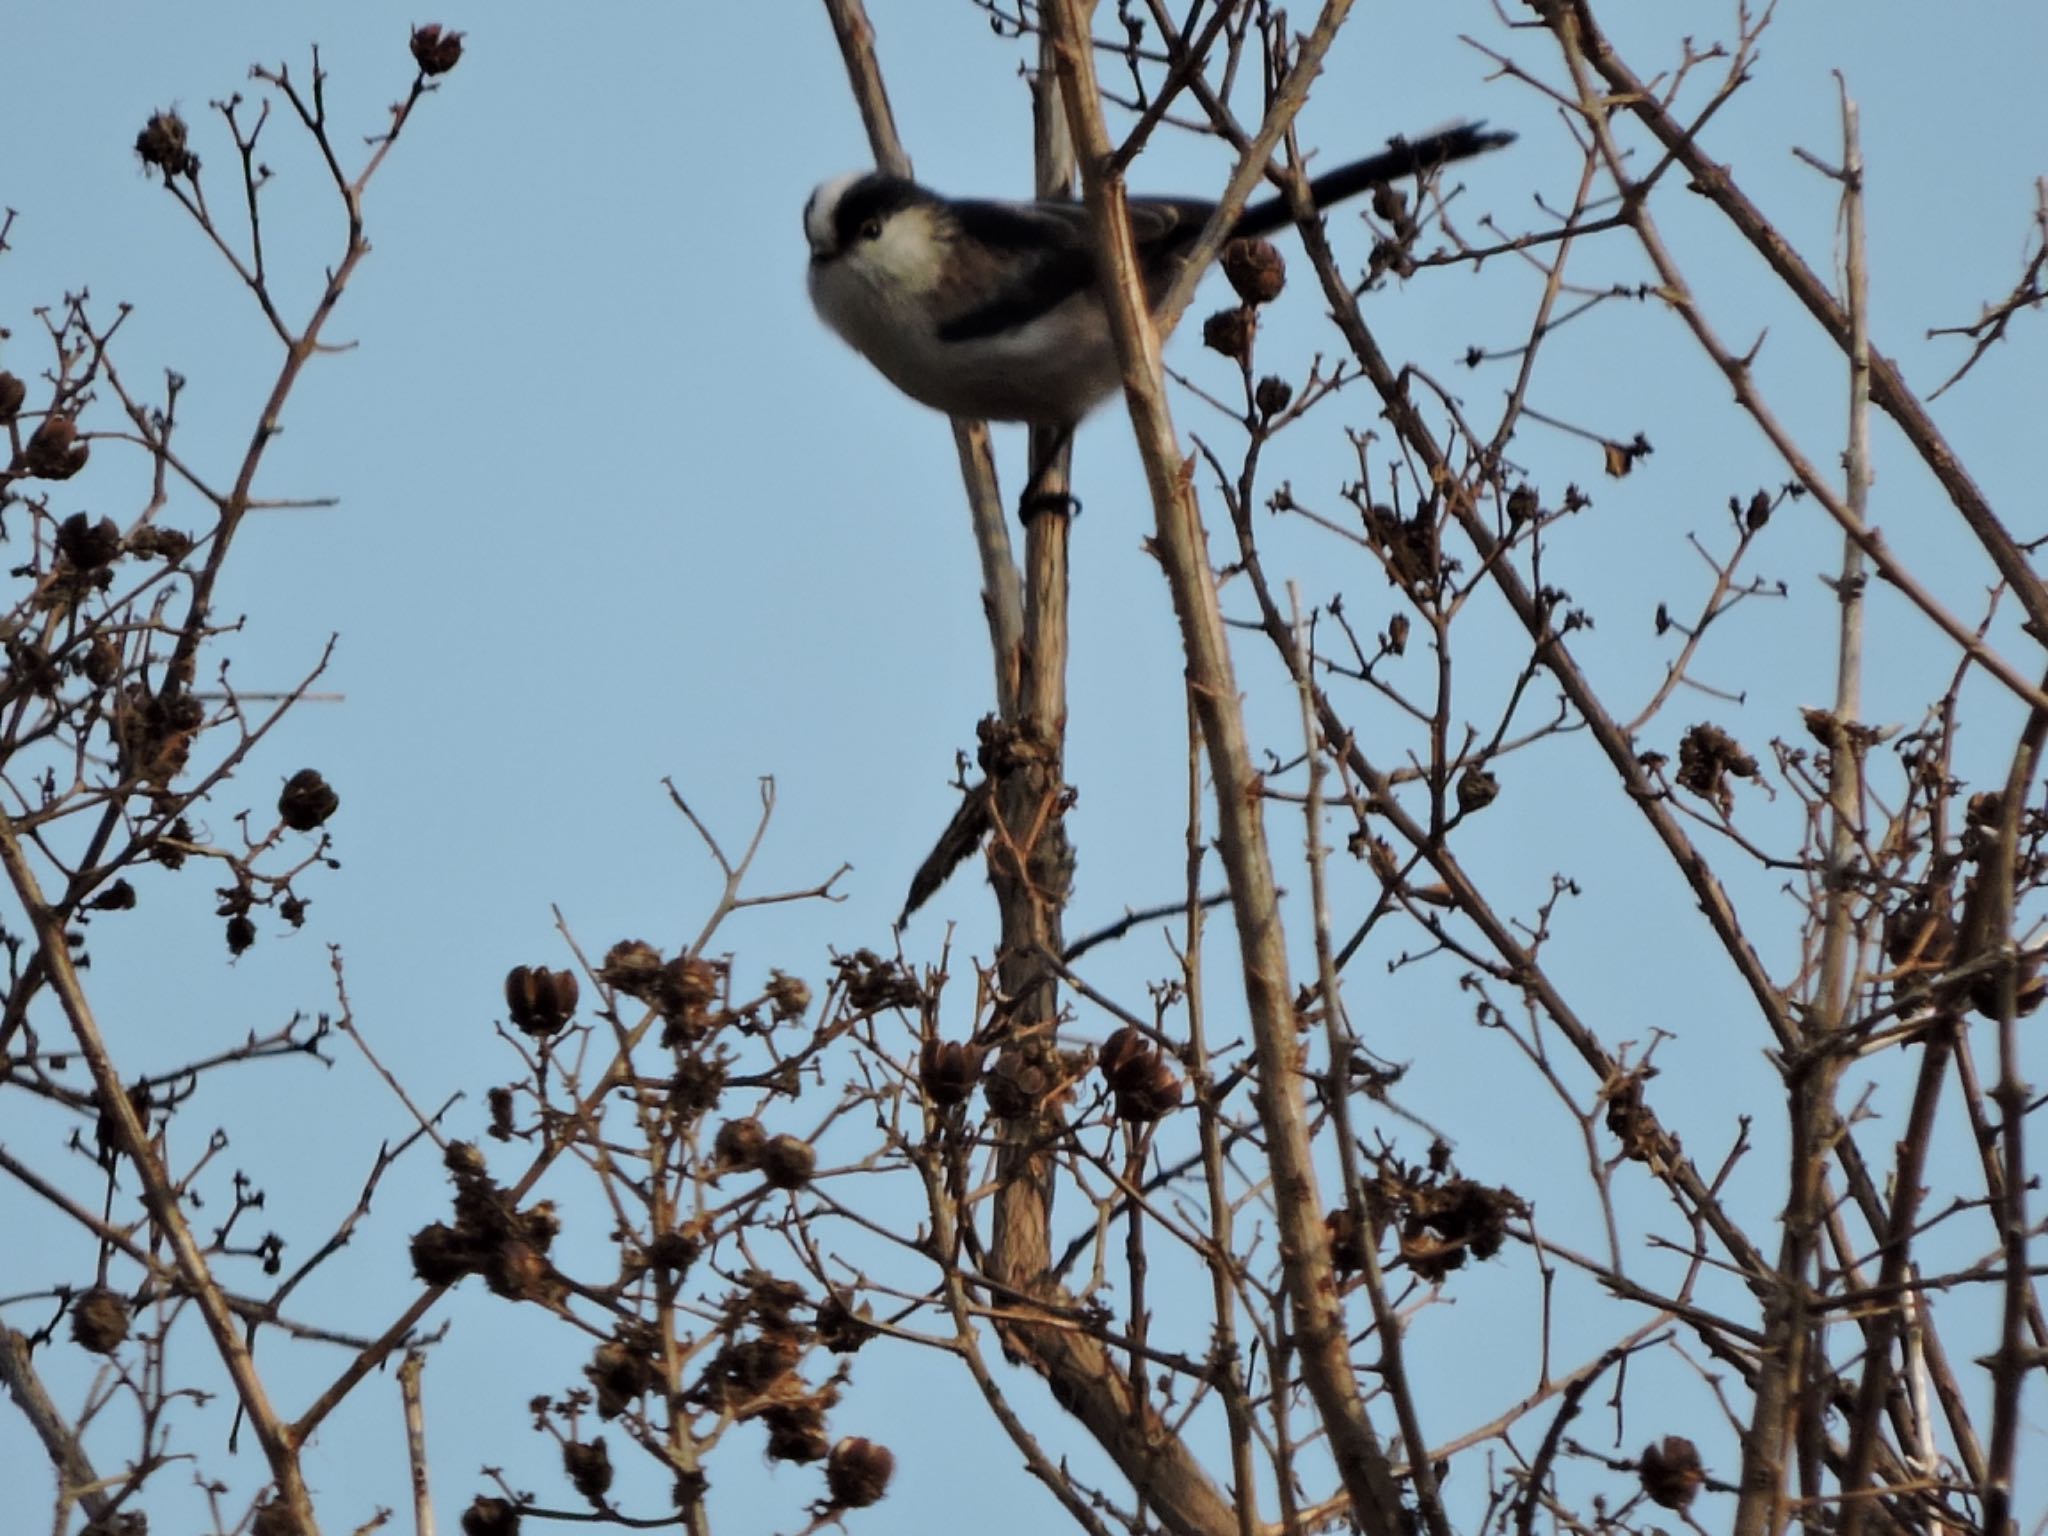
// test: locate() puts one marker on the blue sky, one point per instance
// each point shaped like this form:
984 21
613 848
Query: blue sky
613 506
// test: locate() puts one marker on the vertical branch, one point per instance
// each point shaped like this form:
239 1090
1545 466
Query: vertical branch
409 1373
1001 596
1181 546
160 1196
1222 1258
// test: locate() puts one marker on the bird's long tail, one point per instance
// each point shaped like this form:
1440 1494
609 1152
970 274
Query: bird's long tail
1402 157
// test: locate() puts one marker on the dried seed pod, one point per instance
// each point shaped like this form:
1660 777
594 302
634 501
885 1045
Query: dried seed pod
788 996
589 1467
948 1070
873 982
787 1162
86 545
53 451
857 1472
1016 1084
1144 1085
12 394
739 1143
841 1331
1671 1472
797 1433
441 1255
162 143
1477 789
518 1270
621 1374
1273 395
1522 504
436 50
633 966
1347 1241
1229 331
675 1252
1150 1093
99 1320
1255 269
541 1001
241 933
500 1100
307 800
696 1085
490 1517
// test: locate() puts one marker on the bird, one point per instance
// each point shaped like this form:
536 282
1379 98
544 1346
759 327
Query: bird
989 309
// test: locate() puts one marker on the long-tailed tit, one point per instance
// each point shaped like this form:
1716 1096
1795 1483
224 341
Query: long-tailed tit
990 309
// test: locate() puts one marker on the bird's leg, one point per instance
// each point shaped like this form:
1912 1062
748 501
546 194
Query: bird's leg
1049 446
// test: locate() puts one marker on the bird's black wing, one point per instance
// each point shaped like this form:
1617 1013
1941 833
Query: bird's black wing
1014 262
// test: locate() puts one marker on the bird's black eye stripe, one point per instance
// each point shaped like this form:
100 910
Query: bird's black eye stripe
869 204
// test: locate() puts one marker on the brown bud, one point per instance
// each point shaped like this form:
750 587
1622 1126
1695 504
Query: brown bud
441 1255
1671 1472
787 1162
1256 270
857 1472
633 966
307 800
1273 395
948 1070
541 1000
739 1143
12 393
99 1320
1229 331
434 50
589 1467
491 1517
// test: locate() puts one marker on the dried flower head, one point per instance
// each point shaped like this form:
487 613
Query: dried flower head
162 143
434 49
1256 269
99 1320
787 1162
1671 1472
857 1472
541 1001
1229 331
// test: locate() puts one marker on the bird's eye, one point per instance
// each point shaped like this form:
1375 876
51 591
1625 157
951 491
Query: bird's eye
871 229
